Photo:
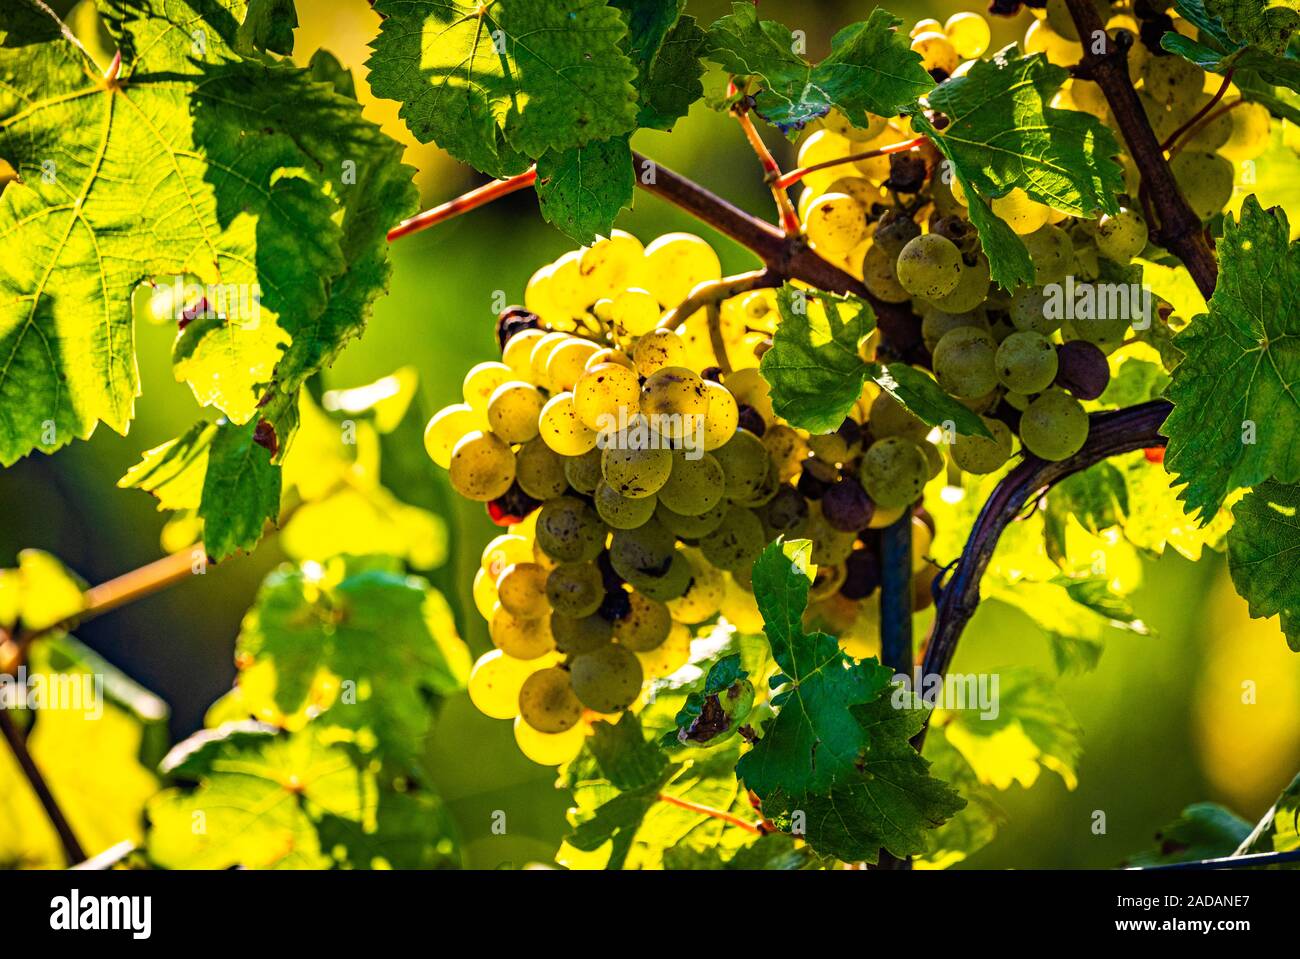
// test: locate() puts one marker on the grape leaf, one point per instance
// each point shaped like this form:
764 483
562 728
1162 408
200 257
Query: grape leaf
974 826
1279 828
411 830
1002 133
1203 830
259 178
665 46
775 851
1096 497
268 26
1135 382
582 190
870 68
1235 413
816 373
41 592
241 491
174 471
1263 553
1009 262
496 83
1024 728
248 795
1243 38
356 641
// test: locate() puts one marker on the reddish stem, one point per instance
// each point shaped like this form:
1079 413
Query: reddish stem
1199 115
464 203
794 176
771 174
726 817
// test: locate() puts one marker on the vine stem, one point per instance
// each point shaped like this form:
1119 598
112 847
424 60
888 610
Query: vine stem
726 817
709 294
896 595
72 850
463 204
1179 229
1110 434
1198 116
1205 122
1253 860
794 176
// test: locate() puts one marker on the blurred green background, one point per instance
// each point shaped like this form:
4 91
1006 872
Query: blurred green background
1164 724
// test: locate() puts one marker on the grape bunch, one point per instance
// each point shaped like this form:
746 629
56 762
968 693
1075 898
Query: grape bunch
638 482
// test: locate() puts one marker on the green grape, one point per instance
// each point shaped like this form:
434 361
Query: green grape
1106 332
657 349
787 449
447 428
1020 212
888 417
881 277
692 527
513 410
1054 426
964 364
608 679
674 264
766 489
871 125
1052 253
737 542
786 514
830 546
663 587
569 531
521 589
744 463
936 322
704 595
969 33
635 312
1170 79
482 466
1122 236
540 471
547 701
972 287
673 397
635 473
894 471
1026 362
482 381
494 684
829 447
647 550
1162 120
893 232
521 638
694 485
620 512
560 427
646 626
978 454
606 395
835 223
722 416
575 589
929 266
1059 19
1029 311
583 472
1206 179
580 634
1209 136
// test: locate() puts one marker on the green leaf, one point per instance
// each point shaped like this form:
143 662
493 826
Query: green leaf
974 826
870 68
1235 413
268 25
813 366
1136 382
1096 497
174 472
411 830
1002 133
241 491
1263 550
493 84
40 593
582 190
248 795
1094 593
1203 830
259 175
1025 727
1279 828
366 647
924 397
1243 38
666 48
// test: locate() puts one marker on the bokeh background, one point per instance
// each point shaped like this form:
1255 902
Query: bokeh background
1163 716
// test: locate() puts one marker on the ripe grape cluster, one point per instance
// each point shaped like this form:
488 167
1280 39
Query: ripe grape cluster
634 455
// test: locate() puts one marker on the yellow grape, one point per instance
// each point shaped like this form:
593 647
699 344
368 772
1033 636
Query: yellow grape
1023 214
610 355
562 430
518 352
494 684
567 362
722 417
547 702
969 33
1250 133
749 387
835 223
674 264
521 590
740 608
635 312
521 638
541 354
704 596
567 287
482 466
673 396
505 550
669 656
485 593
513 410
481 382
602 392
821 146
657 349
446 429
1040 38
537 294
549 749
606 265
937 52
